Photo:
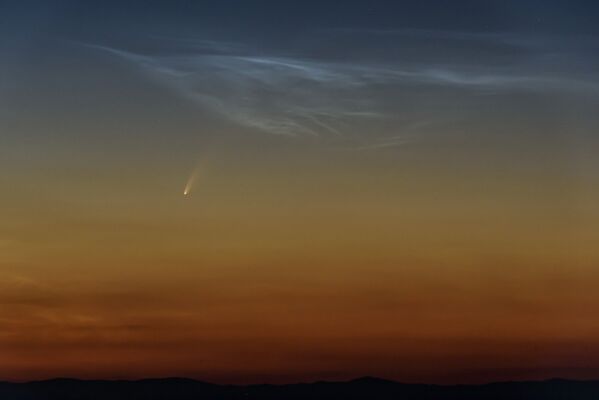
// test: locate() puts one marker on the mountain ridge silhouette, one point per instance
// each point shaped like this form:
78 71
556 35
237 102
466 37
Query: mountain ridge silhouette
366 387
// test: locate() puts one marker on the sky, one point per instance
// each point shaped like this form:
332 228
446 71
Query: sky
276 191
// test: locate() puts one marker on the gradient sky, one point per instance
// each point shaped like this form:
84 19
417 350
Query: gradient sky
407 189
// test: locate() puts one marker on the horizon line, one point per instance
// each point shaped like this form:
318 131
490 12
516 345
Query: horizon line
320 381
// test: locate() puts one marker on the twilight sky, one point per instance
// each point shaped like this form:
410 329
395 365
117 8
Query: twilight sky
282 191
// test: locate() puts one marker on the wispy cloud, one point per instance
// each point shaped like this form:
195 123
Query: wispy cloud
300 95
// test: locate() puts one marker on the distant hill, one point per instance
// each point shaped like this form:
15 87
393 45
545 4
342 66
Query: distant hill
362 388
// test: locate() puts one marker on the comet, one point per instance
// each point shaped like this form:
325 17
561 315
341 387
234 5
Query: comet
191 181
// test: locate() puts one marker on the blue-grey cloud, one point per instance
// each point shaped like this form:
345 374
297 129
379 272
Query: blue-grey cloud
299 94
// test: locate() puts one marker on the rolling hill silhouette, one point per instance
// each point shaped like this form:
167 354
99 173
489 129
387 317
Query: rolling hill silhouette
361 388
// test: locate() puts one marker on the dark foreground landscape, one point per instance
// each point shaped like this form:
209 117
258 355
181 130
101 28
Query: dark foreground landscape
363 388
